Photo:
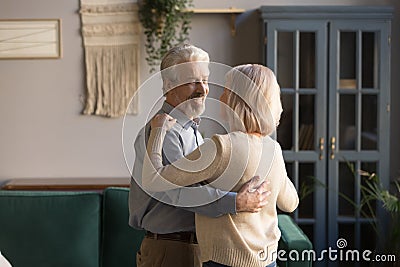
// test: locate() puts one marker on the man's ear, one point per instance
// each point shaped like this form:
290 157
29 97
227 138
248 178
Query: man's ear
170 98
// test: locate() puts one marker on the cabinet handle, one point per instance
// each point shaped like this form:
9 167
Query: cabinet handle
333 147
321 148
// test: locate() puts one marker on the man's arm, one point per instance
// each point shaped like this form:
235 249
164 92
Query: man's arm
209 201
244 200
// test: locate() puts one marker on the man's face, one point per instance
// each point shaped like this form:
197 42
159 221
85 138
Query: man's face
192 89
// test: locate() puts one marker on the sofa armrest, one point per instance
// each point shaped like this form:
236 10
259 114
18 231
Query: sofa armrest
292 239
120 242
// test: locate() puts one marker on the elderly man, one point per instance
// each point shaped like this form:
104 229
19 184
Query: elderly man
168 217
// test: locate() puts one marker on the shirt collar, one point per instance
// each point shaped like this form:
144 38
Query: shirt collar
180 117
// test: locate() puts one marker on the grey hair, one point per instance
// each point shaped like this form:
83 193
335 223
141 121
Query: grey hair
180 54
254 99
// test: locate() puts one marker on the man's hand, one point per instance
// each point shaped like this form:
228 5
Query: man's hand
251 198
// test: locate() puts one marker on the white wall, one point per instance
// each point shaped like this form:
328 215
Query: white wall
43 133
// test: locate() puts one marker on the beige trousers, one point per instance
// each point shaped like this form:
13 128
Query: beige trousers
166 253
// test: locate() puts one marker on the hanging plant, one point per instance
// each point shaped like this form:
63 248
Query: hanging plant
165 24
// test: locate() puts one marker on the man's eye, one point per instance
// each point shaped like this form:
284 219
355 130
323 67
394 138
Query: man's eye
194 82
190 82
205 81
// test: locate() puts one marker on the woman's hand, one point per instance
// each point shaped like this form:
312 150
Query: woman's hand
163 120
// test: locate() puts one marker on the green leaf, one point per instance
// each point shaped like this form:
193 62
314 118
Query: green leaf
164 25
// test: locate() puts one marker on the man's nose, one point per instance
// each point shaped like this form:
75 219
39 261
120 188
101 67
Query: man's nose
202 87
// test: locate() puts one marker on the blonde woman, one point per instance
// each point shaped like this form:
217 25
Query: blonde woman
252 108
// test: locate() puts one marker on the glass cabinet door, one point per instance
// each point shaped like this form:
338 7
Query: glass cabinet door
299 62
358 125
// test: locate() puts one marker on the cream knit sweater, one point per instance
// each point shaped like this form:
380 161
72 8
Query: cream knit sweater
227 162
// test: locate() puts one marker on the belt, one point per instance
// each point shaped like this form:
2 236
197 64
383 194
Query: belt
188 237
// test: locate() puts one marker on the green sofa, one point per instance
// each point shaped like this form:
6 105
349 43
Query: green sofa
86 229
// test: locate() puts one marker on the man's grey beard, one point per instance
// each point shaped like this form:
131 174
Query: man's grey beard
191 109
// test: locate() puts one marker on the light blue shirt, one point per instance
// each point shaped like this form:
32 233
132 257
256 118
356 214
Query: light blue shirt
155 216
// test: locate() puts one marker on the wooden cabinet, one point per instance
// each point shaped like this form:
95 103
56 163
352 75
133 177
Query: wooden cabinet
333 66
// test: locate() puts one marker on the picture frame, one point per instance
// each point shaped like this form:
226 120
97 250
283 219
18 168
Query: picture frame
30 39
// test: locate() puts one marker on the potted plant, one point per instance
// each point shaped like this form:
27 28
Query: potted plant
165 23
390 201
372 192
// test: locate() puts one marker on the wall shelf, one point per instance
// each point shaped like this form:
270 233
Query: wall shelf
216 10
233 11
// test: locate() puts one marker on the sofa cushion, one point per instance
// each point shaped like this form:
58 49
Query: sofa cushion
120 241
43 229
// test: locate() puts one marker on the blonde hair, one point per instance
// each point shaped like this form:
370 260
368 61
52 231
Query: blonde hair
254 99
180 54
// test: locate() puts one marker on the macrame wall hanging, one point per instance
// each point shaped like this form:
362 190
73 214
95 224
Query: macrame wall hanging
110 30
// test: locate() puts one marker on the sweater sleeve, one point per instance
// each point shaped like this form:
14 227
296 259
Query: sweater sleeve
202 164
288 199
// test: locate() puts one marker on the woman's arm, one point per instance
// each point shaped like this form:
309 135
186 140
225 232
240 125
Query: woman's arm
202 164
288 199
